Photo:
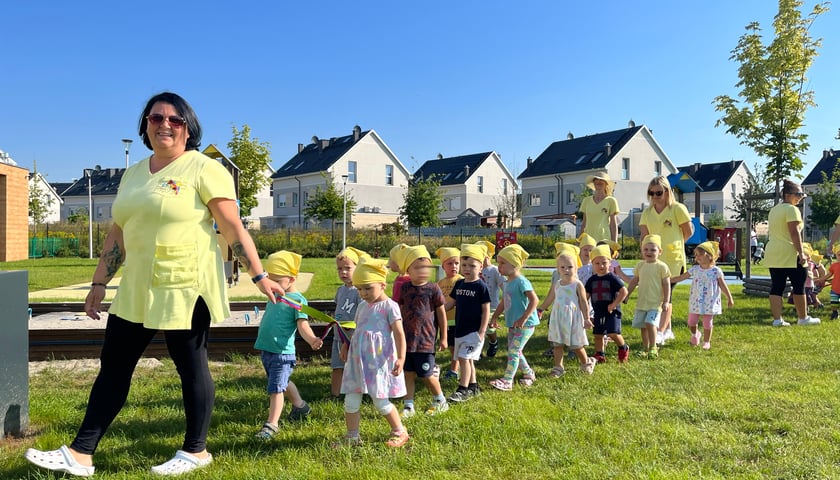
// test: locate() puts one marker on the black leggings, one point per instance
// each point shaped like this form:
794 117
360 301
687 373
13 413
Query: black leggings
124 344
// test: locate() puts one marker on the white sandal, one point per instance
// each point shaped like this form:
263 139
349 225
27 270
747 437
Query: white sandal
182 462
60 460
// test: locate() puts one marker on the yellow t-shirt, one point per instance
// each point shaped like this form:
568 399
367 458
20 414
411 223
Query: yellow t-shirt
172 256
597 216
780 252
446 285
650 284
666 224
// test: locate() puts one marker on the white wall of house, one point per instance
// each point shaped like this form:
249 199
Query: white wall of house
48 194
101 207
482 191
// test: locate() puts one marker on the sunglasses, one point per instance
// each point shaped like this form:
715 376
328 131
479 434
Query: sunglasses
174 120
657 193
799 194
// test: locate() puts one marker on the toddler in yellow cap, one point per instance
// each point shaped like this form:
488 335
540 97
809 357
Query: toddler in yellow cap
495 283
450 262
276 341
605 292
653 278
346 301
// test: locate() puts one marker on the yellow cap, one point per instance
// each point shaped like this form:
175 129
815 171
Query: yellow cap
561 248
396 254
353 254
445 253
409 254
515 255
710 247
601 251
816 257
586 239
807 249
283 263
369 270
835 248
654 239
474 250
490 246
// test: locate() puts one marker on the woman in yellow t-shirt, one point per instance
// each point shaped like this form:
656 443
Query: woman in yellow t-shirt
600 211
670 220
172 280
785 257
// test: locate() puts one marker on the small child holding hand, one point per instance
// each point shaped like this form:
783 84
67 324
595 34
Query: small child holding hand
653 277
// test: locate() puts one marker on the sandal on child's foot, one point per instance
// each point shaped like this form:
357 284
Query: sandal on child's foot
502 384
527 380
398 439
267 431
558 372
347 441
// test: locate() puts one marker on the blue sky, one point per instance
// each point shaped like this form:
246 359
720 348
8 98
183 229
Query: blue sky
434 77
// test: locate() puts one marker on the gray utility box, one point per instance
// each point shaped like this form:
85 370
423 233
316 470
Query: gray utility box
14 352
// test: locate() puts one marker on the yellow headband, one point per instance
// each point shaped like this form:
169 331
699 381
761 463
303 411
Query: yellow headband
710 247
283 263
585 240
397 253
491 248
561 248
601 251
654 239
472 250
369 270
515 255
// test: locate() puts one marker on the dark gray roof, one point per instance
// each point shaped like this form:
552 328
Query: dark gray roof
827 164
103 181
712 177
60 187
317 157
451 170
583 153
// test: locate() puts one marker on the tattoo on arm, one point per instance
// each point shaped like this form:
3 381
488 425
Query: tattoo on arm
113 260
239 252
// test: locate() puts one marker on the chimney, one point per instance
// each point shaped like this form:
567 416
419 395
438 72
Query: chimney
695 168
466 171
827 154
608 149
300 147
324 143
530 161
357 133
315 141
570 136
439 156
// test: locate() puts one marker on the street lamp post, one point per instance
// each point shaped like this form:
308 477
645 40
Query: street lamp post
127 143
344 221
88 174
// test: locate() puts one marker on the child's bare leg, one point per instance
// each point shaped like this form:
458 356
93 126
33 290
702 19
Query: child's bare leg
352 420
580 353
467 374
434 385
294 395
617 338
410 378
664 320
559 352
599 343
473 377
393 418
275 407
335 381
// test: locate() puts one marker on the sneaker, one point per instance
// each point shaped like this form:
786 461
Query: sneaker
397 439
460 396
707 345
589 366
834 315
694 340
492 349
450 375
668 335
599 357
407 412
299 413
623 354
475 390
780 323
436 408
557 372
809 320
660 338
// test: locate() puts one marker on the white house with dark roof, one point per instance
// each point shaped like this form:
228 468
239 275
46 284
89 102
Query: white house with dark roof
472 186
49 194
721 183
375 179
553 182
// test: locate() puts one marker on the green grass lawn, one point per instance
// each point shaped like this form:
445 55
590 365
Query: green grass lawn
762 403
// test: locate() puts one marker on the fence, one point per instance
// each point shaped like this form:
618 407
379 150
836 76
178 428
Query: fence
53 247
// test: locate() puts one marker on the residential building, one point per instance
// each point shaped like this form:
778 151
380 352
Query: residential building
552 183
263 196
14 210
94 192
473 186
360 164
721 183
49 195
828 164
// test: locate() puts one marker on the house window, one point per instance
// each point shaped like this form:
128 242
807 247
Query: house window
551 200
351 172
389 174
480 184
534 200
455 203
305 198
100 212
657 168
709 208
504 186
570 196
295 199
281 200
271 190
734 190
625 168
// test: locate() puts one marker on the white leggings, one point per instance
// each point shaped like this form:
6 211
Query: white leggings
353 402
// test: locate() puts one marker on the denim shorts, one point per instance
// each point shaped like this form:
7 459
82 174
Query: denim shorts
335 354
279 368
646 317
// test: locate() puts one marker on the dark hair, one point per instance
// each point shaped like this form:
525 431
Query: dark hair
183 108
790 187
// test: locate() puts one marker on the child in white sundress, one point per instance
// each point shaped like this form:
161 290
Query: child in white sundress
374 360
569 317
707 283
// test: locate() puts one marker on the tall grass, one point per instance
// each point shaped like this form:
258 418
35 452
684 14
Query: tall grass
762 403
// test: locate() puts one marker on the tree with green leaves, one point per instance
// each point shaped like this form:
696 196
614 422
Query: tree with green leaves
824 203
39 201
757 182
253 159
774 96
422 203
509 207
328 204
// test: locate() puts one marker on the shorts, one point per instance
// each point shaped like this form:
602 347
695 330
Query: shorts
607 323
646 317
469 346
278 368
335 355
835 298
420 363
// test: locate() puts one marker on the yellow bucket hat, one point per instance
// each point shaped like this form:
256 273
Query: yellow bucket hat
710 247
474 250
491 248
353 254
515 255
445 253
369 270
409 254
283 263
